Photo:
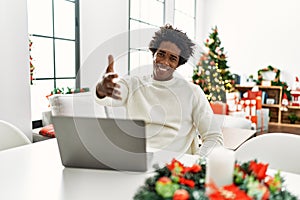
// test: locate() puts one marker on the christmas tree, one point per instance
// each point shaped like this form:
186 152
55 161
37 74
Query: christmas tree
212 73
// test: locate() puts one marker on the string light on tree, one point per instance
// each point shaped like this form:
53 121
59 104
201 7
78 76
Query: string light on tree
212 73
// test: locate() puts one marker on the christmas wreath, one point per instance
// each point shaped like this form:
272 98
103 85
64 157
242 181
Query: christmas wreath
267 69
178 182
276 81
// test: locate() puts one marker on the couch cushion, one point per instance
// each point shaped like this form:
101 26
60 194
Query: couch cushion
47 131
84 105
79 104
233 122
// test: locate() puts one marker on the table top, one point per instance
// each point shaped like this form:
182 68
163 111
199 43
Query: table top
235 137
35 172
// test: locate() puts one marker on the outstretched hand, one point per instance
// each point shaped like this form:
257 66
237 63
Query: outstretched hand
108 86
110 67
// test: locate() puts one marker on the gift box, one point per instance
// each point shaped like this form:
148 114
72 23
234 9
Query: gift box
257 95
254 94
262 123
249 106
232 100
219 108
237 114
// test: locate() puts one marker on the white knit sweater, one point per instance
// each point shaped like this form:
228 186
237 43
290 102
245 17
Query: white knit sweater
173 110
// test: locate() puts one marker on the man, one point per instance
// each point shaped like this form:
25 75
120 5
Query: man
174 110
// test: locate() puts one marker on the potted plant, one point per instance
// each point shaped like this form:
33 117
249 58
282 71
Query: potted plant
293 118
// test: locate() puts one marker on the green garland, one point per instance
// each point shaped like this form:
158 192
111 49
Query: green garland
67 91
30 63
178 182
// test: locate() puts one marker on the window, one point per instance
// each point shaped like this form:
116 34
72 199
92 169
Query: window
54 34
142 16
180 13
185 18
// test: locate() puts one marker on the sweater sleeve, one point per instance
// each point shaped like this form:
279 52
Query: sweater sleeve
208 127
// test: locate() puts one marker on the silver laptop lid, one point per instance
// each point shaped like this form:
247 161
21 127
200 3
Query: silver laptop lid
101 143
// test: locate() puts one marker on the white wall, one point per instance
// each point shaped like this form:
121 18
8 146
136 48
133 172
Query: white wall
254 33
104 26
257 33
14 55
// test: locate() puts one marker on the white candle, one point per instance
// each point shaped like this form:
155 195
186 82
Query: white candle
220 166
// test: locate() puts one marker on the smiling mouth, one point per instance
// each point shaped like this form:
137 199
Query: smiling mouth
163 67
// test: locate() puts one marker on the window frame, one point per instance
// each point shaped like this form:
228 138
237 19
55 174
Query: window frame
37 122
169 17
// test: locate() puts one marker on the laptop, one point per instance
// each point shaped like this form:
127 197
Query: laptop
101 143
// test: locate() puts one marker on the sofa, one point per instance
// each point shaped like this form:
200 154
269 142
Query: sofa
83 104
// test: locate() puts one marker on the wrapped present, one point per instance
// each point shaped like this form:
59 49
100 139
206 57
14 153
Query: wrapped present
254 94
257 95
219 108
262 119
248 106
232 100
237 114
253 119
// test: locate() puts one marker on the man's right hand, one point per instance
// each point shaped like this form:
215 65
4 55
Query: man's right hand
108 86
